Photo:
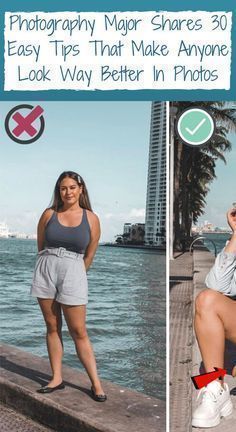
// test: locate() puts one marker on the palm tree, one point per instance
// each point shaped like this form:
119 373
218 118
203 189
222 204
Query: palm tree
195 167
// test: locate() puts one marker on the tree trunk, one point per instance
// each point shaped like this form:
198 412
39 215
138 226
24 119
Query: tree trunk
178 151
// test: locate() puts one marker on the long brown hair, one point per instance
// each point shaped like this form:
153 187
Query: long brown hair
84 200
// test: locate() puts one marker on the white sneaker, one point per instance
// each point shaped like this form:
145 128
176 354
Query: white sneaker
215 403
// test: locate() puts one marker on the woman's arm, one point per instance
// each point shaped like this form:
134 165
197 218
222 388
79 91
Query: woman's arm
222 276
41 227
95 233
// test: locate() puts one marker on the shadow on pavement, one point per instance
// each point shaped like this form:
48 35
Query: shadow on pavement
35 375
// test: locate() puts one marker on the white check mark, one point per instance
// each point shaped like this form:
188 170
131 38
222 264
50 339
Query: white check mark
192 132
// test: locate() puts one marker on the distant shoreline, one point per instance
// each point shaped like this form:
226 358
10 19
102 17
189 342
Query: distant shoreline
212 232
143 247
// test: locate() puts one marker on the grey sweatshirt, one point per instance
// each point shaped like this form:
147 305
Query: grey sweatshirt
222 276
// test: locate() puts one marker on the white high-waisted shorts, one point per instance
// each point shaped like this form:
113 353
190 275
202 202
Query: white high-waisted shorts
61 275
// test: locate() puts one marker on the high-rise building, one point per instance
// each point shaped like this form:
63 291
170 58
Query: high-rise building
155 220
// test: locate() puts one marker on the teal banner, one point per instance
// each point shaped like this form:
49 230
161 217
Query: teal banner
117 51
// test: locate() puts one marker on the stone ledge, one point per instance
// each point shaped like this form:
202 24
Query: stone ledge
73 409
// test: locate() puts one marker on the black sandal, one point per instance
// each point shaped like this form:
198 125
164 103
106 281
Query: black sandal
98 398
47 389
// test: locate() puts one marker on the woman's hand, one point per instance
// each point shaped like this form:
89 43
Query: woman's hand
231 219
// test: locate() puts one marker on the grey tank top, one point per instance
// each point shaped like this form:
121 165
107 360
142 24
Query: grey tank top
74 239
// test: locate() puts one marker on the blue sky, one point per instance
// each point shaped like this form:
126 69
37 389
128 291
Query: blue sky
106 142
223 189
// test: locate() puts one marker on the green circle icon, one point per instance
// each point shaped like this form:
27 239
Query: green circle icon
195 126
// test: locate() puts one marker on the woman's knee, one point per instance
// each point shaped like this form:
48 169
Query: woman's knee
206 301
78 332
53 325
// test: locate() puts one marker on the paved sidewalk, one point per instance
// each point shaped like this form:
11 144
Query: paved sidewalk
12 421
181 296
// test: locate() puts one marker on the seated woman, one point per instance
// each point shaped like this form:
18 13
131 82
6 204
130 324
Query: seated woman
215 321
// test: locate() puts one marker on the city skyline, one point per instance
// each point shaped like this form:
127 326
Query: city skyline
101 140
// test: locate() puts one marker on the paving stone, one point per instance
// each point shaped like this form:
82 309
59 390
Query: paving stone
12 421
181 297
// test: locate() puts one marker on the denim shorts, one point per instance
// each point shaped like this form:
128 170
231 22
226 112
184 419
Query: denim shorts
61 275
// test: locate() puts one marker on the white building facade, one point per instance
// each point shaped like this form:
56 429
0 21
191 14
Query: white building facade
4 231
155 219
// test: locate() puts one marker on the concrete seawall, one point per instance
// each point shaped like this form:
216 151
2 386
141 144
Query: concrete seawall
73 409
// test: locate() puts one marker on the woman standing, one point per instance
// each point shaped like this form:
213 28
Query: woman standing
215 321
68 235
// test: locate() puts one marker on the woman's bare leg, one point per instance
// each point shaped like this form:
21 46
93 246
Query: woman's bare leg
52 315
75 317
215 321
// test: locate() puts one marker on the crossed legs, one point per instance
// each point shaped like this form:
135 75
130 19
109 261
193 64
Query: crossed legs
75 318
215 321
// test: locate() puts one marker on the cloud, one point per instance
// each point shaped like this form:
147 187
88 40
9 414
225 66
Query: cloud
130 216
137 213
109 216
113 223
25 222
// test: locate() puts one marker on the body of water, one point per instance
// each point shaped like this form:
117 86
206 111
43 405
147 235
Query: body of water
126 314
218 238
